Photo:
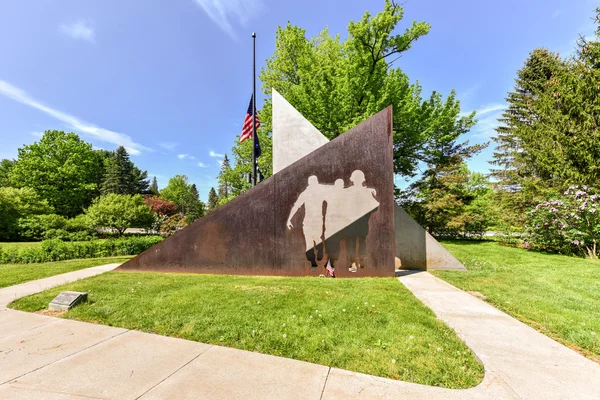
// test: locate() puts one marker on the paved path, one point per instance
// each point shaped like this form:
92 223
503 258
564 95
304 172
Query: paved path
48 358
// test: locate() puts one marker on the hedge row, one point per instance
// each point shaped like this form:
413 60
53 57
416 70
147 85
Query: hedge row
57 250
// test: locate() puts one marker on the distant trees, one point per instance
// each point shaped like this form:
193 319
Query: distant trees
154 187
119 212
225 180
185 195
45 191
213 199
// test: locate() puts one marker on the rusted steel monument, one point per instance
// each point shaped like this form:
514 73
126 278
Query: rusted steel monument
327 203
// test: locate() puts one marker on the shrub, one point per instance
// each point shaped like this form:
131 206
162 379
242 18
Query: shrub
568 225
57 250
36 227
172 224
119 212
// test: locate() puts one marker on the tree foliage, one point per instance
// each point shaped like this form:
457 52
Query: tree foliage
6 166
337 83
16 204
119 212
185 195
213 199
62 168
154 187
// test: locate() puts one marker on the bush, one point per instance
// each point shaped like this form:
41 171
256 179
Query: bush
36 227
119 212
568 225
57 250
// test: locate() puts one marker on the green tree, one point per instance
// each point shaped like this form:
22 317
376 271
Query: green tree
6 166
62 168
122 176
154 187
565 140
520 184
185 195
16 204
119 212
440 199
213 199
338 83
195 208
225 184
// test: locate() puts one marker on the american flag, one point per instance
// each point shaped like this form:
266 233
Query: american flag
247 128
329 269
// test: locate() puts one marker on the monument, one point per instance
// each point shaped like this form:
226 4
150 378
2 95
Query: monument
328 206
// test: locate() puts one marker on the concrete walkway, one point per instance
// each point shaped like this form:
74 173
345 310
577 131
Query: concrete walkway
43 357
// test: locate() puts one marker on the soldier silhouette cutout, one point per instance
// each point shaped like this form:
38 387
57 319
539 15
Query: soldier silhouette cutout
334 213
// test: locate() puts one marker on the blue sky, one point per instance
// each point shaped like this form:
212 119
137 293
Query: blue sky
171 80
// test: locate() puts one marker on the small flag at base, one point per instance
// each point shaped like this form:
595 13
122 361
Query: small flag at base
329 269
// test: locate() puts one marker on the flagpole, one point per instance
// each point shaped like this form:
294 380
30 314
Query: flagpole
253 109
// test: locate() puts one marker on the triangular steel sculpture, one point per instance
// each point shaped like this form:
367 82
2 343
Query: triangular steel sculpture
294 137
333 206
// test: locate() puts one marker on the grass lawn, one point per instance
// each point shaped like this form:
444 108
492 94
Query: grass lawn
19 245
557 295
374 326
13 274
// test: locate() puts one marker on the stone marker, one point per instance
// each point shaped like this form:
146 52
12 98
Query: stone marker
66 300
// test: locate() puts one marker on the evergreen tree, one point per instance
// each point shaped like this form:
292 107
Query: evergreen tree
565 141
122 176
213 199
117 176
154 187
439 198
224 179
519 183
139 181
195 208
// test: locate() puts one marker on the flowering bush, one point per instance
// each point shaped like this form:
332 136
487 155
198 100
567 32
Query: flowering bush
161 206
570 224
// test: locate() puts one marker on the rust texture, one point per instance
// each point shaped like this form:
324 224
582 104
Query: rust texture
250 234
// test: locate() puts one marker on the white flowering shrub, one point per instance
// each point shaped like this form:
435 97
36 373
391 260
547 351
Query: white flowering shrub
568 225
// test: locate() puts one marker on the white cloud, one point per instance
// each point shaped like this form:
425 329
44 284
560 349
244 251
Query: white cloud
202 165
184 156
217 155
168 145
78 30
224 12
37 134
220 162
80 126
487 117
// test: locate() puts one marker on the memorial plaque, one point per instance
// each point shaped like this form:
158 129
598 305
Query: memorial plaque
66 300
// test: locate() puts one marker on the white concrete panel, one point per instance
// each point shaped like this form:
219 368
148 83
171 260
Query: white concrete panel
293 136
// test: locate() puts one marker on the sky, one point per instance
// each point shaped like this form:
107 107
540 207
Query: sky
171 81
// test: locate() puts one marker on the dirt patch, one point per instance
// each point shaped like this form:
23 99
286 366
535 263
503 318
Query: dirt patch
52 313
477 294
